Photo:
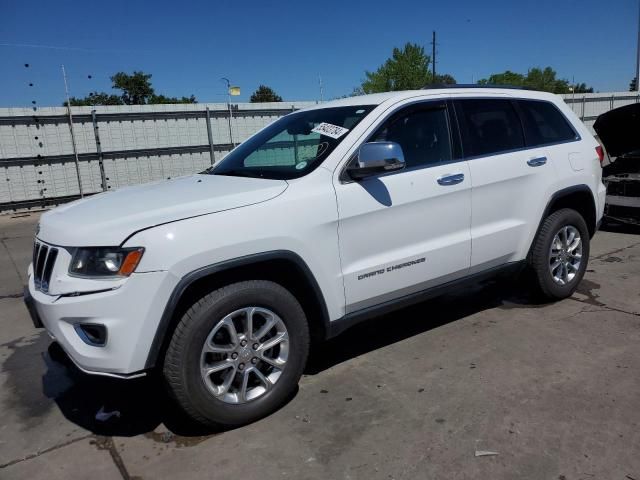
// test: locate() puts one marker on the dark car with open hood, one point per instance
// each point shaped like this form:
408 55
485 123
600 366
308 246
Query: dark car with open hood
619 132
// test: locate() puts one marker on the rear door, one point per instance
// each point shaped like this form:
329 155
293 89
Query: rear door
509 179
405 231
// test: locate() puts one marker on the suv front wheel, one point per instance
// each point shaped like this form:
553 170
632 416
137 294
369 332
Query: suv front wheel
560 253
237 353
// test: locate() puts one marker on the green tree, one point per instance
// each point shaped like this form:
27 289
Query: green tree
444 79
536 79
96 98
545 80
159 99
633 85
136 89
265 94
407 69
505 78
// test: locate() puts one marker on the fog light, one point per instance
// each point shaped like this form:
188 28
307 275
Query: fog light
92 334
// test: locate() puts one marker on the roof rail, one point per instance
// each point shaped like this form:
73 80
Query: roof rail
473 85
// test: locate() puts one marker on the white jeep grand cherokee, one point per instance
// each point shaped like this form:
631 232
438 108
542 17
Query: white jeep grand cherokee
325 217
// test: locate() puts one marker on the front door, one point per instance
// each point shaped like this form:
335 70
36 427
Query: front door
404 231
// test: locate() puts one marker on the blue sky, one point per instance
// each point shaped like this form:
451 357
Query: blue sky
189 45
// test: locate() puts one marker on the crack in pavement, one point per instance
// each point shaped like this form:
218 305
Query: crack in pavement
13 262
106 443
604 306
618 250
101 442
12 295
42 452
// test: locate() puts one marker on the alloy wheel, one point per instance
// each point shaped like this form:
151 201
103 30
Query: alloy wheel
565 255
244 355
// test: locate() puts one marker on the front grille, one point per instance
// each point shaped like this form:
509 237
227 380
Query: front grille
44 259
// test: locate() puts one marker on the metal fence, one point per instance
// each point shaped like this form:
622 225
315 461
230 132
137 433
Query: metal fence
116 146
127 145
588 106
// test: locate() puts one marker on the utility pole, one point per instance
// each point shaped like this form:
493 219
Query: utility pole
433 58
73 137
321 91
638 53
228 83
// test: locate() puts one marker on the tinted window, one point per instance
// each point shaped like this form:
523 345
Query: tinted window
293 145
543 123
422 132
489 126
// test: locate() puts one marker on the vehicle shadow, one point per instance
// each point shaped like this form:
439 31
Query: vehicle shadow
375 333
620 227
143 404
113 407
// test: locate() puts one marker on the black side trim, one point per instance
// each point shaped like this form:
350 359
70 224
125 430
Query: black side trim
31 308
338 326
563 193
247 260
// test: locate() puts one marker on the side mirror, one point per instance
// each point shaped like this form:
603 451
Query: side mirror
377 157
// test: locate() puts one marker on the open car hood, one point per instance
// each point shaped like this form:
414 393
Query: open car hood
619 130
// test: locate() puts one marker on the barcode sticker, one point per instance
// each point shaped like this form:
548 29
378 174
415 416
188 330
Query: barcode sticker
333 131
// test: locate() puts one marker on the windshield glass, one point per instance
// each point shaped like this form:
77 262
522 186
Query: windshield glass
293 145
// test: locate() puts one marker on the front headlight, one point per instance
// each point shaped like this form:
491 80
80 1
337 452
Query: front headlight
105 261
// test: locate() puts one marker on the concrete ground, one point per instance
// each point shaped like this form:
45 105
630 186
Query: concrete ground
553 389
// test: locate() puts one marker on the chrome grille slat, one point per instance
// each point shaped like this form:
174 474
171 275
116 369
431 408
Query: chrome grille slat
44 259
39 266
36 250
48 268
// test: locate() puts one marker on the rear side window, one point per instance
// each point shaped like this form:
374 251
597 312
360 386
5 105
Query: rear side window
489 126
544 123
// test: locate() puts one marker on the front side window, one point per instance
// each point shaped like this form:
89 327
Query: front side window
489 126
293 145
422 132
544 124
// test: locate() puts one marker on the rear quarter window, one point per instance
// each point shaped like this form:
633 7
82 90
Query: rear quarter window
544 124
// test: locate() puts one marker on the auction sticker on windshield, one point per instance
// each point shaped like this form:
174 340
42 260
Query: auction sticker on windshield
333 131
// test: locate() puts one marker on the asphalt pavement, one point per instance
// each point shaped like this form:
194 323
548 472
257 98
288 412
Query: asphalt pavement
551 390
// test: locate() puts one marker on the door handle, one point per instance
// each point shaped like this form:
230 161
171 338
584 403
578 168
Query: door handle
451 179
537 162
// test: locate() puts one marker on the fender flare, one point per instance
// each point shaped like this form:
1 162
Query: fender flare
558 195
216 268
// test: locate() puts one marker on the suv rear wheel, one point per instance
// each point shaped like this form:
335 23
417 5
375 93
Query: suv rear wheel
238 353
560 253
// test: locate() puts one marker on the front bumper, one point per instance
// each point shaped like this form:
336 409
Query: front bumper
31 308
130 314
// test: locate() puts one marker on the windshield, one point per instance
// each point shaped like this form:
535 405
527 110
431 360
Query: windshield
293 145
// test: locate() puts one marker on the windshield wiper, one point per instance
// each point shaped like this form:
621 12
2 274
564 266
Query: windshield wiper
240 172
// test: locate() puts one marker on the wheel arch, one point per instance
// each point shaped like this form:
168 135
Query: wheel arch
281 266
577 197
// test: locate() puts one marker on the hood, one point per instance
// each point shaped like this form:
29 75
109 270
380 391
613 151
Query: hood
618 130
108 218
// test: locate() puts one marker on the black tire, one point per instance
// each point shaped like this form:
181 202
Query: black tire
182 360
539 258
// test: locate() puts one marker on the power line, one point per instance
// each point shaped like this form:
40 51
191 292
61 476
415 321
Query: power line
58 47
